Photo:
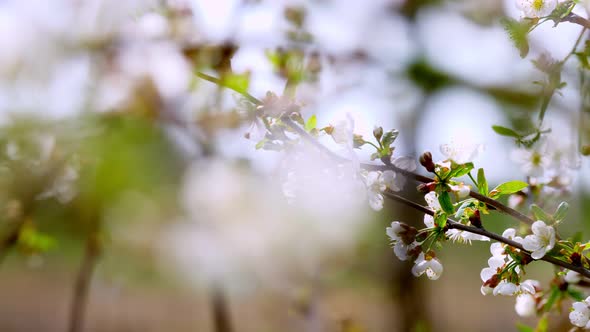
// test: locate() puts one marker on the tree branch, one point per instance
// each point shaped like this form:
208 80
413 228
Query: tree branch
489 201
420 178
452 224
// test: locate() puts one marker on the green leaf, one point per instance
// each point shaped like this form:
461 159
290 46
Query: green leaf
561 212
505 131
555 292
34 241
260 144
389 137
575 294
311 123
460 170
440 219
445 202
236 82
543 324
467 203
577 237
518 32
482 183
507 188
540 214
583 59
524 328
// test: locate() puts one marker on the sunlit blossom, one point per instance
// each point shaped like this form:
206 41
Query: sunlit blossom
541 241
461 153
536 8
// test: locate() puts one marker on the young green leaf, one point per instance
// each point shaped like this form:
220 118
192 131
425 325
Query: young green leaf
311 123
524 328
561 212
260 144
553 296
575 294
445 202
540 214
518 31
389 137
466 204
543 324
482 183
236 82
507 188
460 170
440 219
505 131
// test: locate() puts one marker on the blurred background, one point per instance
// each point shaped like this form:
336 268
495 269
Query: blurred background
135 197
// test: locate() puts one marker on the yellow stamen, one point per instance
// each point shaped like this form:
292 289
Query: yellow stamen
538 4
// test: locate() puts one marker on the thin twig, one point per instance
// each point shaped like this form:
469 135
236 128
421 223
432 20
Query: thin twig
80 296
452 224
573 18
219 82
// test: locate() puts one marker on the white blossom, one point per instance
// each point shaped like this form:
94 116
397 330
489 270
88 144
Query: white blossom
572 277
461 153
461 189
580 313
342 131
405 163
432 200
536 8
377 182
428 221
542 240
389 180
510 233
506 288
533 162
495 265
526 305
428 264
375 187
456 235
396 233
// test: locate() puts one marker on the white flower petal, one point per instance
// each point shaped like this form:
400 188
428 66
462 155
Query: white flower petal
525 306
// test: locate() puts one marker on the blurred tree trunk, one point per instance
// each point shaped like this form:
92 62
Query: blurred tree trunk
407 291
220 308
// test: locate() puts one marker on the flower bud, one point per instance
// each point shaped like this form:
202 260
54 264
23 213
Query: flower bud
357 140
475 219
378 133
426 161
576 259
493 281
426 187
